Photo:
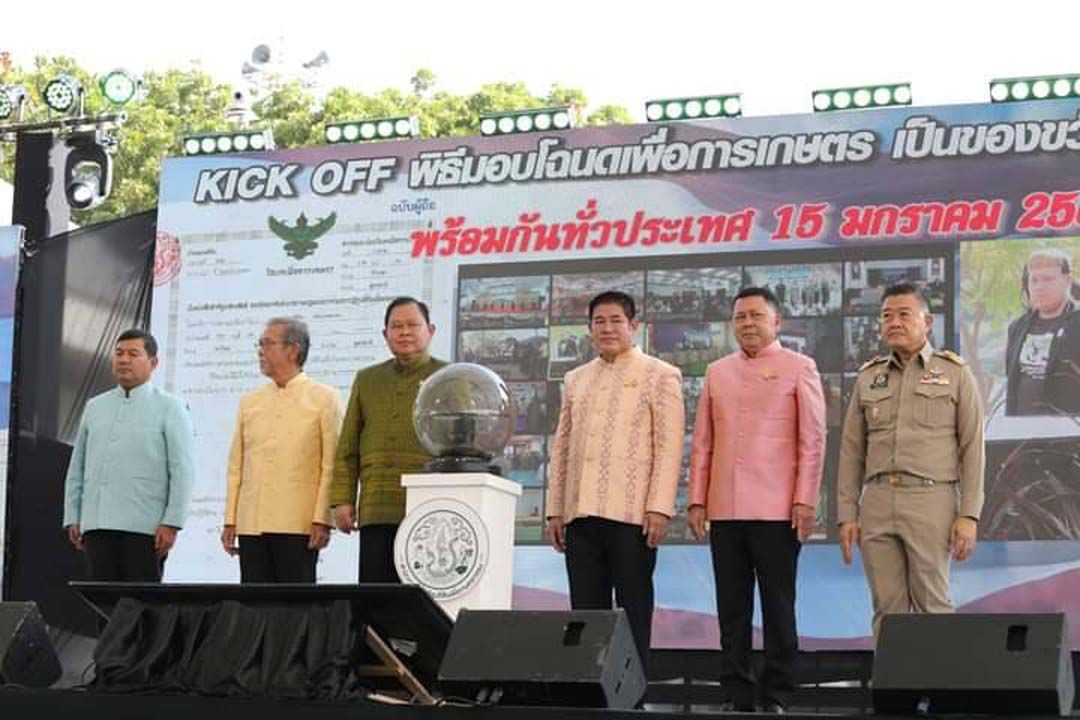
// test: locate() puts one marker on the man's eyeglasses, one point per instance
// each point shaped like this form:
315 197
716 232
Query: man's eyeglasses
264 343
398 327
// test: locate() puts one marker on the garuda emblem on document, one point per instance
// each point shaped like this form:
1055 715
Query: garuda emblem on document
300 237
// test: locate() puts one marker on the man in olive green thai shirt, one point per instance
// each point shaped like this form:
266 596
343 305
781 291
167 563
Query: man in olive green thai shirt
378 443
910 481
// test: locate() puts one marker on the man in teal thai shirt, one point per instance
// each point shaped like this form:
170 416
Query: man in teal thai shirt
131 472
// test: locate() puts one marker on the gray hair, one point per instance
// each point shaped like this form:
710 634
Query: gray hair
1054 255
296 333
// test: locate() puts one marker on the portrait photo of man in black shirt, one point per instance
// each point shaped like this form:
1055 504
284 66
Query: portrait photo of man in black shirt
1042 356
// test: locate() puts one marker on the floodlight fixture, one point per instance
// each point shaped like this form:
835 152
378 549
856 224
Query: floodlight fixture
386 128
13 99
523 121
862 97
1043 87
701 107
63 93
88 168
229 142
119 87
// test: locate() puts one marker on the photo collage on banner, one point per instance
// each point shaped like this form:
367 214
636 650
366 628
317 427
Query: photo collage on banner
1021 333
529 323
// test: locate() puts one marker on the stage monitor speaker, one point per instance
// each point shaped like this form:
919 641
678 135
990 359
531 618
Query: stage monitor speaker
974 663
27 656
582 658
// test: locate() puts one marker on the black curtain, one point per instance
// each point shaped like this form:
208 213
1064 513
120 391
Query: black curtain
77 292
302 650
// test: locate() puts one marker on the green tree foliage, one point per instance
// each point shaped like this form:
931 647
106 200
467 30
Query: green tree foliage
182 102
609 115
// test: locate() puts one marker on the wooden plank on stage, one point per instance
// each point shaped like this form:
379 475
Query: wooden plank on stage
392 667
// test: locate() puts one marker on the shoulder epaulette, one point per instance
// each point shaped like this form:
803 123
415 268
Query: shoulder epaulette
951 356
874 361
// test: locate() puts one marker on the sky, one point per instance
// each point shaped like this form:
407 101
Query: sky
775 53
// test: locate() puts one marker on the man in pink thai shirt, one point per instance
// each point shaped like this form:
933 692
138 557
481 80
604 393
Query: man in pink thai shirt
755 472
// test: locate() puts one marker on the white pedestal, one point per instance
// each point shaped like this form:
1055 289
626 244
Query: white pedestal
457 539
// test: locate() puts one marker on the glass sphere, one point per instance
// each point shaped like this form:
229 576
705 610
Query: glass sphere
464 410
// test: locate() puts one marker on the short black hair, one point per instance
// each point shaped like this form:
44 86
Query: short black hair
906 288
149 343
761 292
406 300
614 297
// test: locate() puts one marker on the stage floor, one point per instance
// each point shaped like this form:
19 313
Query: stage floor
22 704
834 684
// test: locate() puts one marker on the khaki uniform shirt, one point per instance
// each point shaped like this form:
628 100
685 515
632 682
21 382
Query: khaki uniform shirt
922 420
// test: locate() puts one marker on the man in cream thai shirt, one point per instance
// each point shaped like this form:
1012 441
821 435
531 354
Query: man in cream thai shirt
281 464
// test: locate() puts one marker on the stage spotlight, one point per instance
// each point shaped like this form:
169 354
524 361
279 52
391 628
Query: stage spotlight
119 86
236 141
692 108
1044 87
12 100
63 92
88 168
858 98
388 128
524 121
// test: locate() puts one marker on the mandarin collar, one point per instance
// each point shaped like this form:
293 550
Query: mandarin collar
408 367
136 392
771 349
622 359
296 381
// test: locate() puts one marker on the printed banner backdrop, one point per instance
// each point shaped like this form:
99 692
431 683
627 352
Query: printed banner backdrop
507 238
10 240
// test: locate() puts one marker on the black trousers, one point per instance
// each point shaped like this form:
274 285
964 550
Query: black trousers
276 558
121 556
604 555
377 554
743 550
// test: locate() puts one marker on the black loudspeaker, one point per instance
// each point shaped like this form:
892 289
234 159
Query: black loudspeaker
582 658
27 656
971 663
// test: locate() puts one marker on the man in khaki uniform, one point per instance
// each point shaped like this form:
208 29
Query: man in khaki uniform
913 450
